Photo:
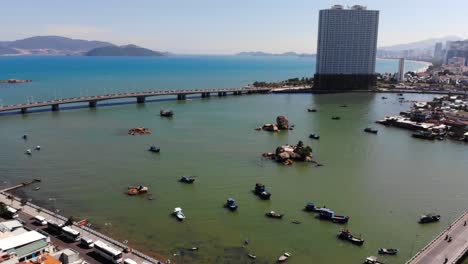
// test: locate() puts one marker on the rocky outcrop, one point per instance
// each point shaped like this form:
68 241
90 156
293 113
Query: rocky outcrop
282 122
288 154
270 127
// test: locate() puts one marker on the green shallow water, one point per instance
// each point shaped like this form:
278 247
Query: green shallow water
383 182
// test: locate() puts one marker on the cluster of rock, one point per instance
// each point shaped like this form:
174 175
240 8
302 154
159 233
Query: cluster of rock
282 123
288 154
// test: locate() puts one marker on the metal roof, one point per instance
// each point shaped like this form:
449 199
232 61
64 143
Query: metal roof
20 240
29 248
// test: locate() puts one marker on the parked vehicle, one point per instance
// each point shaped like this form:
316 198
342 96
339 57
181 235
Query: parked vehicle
87 242
40 220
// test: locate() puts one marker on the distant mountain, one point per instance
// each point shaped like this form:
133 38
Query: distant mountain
422 45
49 45
128 50
261 53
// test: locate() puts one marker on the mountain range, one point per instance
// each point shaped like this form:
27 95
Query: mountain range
56 45
261 53
421 45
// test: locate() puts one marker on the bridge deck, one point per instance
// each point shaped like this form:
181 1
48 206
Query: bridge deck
125 95
439 249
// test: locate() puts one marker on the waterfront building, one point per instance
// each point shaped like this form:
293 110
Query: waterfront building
23 246
456 49
438 52
346 48
401 70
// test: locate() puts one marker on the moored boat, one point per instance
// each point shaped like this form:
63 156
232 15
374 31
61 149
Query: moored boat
310 207
313 110
261 191
25 136
372 260
231 204
370 130
252 256
346 235
134 190
38 147
429 218
166 113
187 179
28 152
178 213
284 257
336 117
388 251
424 135
273 214
328 214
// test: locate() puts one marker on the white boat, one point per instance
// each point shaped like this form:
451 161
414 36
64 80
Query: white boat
178 213
38 147
284 257
28 151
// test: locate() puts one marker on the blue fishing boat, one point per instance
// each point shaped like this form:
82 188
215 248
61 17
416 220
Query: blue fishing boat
328 214
231 204
154 149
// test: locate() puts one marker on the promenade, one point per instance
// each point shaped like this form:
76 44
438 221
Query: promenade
440 250
29 210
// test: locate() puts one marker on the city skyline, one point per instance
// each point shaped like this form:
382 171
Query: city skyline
218 27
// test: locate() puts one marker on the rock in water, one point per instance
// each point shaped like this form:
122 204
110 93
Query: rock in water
282 122
282 156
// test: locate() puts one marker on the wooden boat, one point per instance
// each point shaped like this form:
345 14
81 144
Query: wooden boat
284 257
273 214
310 207
154 149
314 136
166 113
346 235
261 191
231 204
370 130
139 131
372 260
187 179
429 218
134 190
328 214
178 214
388 251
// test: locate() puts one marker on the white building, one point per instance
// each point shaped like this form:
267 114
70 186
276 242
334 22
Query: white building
346 48
24 246
401 70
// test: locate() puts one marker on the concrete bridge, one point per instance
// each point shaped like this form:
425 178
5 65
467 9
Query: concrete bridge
140 97
442 250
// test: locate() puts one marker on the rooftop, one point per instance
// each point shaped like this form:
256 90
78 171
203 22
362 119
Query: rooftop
20 240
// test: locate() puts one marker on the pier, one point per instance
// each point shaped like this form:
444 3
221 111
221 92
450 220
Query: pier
140 97
440 250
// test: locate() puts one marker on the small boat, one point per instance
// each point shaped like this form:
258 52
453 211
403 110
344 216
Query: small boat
258 128
343 106
28 152
187 179
336 117
273 214
383 97
284 257
252 256
372 260
400 94
310 207
193 249
313 110
154 149
346 235
134 190
328 214
38 147
388 251
261 191
37 188
314 136
25 136
429 218
370 130
296 222
166 113
424 135
231 204
178 213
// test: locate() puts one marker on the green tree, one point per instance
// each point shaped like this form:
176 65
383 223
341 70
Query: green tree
3 208
70 221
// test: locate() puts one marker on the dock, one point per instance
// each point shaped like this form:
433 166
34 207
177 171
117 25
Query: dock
440 251
92 101
26 183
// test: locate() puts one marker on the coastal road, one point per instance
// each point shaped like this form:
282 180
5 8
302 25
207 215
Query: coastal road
440 249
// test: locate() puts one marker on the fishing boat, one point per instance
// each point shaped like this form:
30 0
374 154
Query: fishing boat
388 251
310 207
273 214
346 235
38 147
166 113
37 188
187 179
328 214
154 149
372 260
25 136
313 110
28 152
284 257
252 256
336 117
178 213
134 190
261 191
370 130
429 218
231 204
314 136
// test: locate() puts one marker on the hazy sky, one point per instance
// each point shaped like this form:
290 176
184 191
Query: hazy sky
222 26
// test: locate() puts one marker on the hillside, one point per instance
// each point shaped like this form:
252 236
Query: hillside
261 53
128 50
423 44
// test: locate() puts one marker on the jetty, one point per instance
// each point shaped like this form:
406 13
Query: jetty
448 247
140 97
26 183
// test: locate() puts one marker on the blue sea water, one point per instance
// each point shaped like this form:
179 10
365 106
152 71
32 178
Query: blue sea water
61 77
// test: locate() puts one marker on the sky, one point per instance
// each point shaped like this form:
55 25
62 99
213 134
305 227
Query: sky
222 26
